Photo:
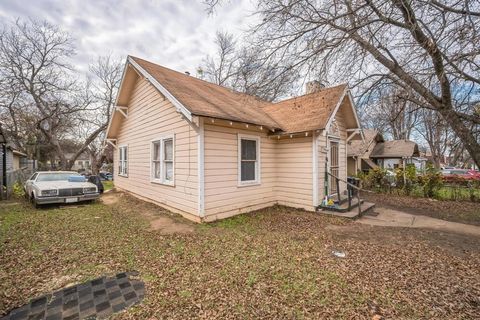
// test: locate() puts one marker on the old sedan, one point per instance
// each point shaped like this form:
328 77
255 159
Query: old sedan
59 187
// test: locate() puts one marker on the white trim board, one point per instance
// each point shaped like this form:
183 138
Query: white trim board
315 170
180 107
201 167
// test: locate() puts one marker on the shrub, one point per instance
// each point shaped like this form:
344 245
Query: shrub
375 178
18 191
406 178
431 181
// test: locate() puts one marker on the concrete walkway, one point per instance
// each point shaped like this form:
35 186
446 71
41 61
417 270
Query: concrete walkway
394 218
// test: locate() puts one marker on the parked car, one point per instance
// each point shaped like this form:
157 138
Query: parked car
452 175
59 187
96 180
105 176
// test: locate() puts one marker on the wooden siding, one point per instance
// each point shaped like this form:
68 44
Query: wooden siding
294 185
150 116
223 196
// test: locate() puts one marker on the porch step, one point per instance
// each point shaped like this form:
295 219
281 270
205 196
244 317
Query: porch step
342 206
352 213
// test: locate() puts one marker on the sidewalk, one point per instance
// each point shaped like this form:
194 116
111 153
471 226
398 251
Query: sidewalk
394 218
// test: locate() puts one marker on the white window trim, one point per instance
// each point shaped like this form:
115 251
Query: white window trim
258 163
162 181
128 160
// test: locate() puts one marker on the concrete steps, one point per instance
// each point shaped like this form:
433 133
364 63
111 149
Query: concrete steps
342 209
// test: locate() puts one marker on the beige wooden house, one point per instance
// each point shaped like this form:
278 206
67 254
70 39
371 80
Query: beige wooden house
207 152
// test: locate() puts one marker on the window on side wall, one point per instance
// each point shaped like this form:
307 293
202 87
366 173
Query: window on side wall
248 160
122 161
162 160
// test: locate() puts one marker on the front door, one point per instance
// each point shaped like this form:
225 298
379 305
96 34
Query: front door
334 166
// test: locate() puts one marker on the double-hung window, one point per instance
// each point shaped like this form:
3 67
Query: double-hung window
122 161
248 160
163 160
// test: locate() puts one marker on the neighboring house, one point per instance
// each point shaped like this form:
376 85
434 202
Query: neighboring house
395 153
83 162
374 152
208 152
359 150
14 166
20 160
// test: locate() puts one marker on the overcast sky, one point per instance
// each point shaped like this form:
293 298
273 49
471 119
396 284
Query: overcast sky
174 33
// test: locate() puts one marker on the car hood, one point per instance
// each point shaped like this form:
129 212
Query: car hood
62 185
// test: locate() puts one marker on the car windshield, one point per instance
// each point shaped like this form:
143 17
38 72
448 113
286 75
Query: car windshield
42 177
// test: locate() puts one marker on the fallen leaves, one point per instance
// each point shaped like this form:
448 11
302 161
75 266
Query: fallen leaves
273 263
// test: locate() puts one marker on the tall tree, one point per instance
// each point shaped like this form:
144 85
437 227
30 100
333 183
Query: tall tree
44 89
427 47
393 113
245 70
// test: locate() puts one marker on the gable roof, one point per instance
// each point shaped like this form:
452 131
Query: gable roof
308 112
203 98
196 97
357 147
395 149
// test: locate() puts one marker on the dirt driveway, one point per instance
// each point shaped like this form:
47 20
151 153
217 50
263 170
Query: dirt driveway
161 220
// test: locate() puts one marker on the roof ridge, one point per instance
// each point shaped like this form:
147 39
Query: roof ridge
313 93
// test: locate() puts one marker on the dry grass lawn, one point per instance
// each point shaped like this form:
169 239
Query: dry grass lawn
273 263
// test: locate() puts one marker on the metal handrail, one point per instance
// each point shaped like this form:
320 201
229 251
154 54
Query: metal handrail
349 197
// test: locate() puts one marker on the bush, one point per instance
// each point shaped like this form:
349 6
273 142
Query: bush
18 191
406 179
431 181
375 178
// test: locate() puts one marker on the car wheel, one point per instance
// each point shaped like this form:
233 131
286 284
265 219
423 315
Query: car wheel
33 201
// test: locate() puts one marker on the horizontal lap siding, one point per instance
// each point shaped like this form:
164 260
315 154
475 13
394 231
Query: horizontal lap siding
150 116
223 196
294 171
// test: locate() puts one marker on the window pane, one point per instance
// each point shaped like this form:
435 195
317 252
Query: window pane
156 150
120 154
168 144
248 171
125 153
169 171
156 170
249 149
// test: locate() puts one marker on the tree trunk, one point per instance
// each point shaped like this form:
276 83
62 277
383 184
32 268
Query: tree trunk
466 136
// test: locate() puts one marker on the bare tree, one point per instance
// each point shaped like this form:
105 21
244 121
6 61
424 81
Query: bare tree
245 70
34 62
426 47
393 113
220 68
107 74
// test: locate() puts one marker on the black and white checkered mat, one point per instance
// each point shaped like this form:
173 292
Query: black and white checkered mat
94 299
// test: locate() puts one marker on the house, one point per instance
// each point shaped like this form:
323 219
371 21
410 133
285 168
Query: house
359 150
20 160
395 153
208 152
14 166
374 152
82 163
